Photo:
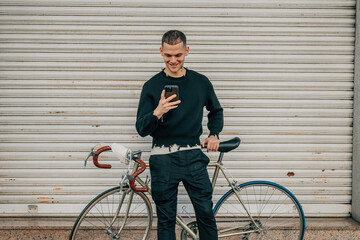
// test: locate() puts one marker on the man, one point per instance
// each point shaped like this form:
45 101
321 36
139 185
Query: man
176 127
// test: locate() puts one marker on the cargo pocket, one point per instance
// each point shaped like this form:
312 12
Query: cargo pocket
200 181
160 177
199 166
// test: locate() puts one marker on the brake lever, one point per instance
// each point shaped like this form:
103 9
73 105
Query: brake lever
91 154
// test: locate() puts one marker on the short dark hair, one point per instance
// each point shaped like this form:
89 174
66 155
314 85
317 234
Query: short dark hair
173 37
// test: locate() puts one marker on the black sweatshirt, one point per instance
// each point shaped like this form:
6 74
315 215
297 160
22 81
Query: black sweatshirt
182 125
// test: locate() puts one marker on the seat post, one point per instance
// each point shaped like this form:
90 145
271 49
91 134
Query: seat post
217 169
220 157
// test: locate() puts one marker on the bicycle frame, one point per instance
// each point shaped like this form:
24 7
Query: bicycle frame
218 167
229 224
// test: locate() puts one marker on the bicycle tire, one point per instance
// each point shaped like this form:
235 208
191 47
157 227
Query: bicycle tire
274 208
94 221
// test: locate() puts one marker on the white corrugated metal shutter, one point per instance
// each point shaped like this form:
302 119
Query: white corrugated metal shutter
71 74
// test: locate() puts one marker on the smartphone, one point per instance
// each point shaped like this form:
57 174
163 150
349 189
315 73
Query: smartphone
171 90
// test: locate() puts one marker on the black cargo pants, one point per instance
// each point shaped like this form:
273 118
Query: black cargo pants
167 171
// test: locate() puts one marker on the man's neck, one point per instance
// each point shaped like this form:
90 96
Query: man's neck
178 74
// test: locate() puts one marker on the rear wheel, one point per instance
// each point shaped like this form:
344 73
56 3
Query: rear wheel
97 220
276 212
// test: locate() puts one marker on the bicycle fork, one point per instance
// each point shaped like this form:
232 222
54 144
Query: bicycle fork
124 193
109 229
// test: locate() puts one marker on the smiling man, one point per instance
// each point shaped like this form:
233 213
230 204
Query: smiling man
176 127
174 55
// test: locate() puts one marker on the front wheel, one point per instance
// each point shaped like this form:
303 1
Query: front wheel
111 211
276 213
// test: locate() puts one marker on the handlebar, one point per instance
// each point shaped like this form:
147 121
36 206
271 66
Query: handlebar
134 175
95 157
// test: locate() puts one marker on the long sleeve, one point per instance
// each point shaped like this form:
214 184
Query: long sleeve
215 116
183 124
146 121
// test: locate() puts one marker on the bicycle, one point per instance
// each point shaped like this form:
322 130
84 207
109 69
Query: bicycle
251 210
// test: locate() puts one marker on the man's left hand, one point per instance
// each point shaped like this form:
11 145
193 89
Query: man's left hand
212 143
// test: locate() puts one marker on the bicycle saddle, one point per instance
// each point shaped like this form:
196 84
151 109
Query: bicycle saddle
229 145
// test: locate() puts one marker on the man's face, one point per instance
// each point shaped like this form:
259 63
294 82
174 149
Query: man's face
174 56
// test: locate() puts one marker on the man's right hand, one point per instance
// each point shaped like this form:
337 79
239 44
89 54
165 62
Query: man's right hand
165 105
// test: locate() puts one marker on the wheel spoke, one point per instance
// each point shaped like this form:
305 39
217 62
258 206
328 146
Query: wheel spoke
95 220
271 206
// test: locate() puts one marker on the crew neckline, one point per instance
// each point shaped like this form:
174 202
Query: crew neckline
184 77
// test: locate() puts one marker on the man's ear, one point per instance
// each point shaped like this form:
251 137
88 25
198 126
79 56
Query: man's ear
161 51
187 51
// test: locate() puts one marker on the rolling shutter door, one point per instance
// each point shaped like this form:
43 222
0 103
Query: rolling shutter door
72 71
